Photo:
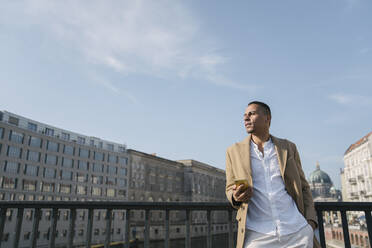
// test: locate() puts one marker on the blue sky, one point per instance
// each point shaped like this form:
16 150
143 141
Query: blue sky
173 77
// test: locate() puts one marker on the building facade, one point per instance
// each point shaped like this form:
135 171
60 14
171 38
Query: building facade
39 162
358 170
153 178
321 186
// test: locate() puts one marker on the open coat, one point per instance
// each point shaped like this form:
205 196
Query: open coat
238 166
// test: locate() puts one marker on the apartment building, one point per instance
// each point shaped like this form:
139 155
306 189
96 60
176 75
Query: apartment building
153 178
357 174
39 162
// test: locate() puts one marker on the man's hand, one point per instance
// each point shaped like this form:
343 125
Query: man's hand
240 194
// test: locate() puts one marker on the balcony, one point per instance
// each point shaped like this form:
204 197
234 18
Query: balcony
167 207
352 180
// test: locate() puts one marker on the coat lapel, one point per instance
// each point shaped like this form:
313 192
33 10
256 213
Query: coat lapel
282 151
245 154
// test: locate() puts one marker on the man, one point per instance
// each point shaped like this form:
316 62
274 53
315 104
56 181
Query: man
275 207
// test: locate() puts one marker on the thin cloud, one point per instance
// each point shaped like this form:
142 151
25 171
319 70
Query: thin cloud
112 88
130 37
356 100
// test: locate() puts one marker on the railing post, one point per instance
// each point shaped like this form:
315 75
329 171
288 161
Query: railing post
89 227
71 227
166 238
108 227
147 228
345 228
2 222
369 226
319 213
35 227
54 227
188 227
231 231
209 235
127 228
18 227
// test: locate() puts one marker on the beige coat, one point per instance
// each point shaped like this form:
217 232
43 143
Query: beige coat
238 166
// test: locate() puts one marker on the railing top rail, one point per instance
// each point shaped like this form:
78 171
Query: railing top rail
343 206
118 205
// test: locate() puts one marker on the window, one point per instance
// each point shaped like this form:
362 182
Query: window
35 142
47 187
122 149
82 178
110 181
49 131
110 147
65 189
110 192
67 162
123 161
13 120
81 232
51 159
100 144
29 185
32 126
99 156
112 158
31 170
97 179
14 152
82 165
122 182
81 190
33 156
69 150
65 136
97 167
52 146
112 170
83 153
66 175
96 231
96 191
11 167
122 193
1 132
1 116
49 173
9 183
16 137
26 235
123 171
81 140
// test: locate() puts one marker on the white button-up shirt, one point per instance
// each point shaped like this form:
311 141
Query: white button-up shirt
271 210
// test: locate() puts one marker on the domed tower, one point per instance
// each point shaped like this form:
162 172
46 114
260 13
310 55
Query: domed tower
320 184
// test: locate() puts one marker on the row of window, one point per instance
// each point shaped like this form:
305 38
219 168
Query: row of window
63 234
66 149
63 188
64 136
33 170
49 159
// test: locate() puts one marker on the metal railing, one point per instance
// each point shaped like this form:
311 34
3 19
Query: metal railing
38 206
343 207
188 207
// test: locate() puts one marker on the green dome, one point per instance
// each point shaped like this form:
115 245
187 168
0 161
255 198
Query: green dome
319 176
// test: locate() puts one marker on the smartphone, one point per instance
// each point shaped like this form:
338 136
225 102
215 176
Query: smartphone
238 182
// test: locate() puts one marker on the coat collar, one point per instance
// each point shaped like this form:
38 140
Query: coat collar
280 147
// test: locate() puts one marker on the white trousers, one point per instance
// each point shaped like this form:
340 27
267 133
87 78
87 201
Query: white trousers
301 239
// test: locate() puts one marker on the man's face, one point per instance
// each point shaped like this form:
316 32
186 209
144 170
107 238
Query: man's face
255 119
